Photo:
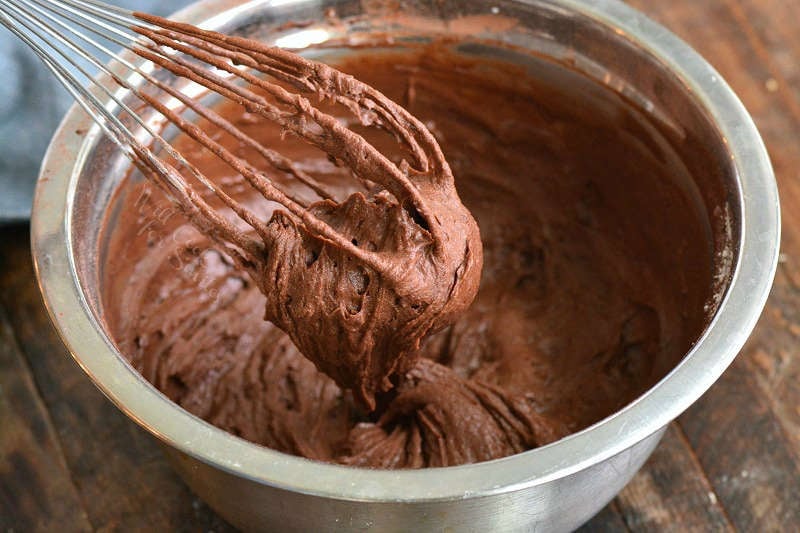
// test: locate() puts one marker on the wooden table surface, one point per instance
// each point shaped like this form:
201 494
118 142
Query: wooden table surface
70 461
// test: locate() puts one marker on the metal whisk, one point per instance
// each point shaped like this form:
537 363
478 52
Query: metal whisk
431 270
60 31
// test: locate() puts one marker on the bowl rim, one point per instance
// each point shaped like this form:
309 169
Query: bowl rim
709 357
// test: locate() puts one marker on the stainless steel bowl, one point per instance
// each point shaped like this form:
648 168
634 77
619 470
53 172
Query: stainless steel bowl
553 488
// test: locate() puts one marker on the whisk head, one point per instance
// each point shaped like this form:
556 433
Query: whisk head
355 282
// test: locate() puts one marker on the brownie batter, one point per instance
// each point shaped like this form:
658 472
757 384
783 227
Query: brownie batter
355 282
597 266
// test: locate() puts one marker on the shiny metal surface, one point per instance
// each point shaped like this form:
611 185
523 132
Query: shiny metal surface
554 488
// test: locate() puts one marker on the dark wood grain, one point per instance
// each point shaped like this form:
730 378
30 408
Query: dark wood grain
672 492
748 460
36 491
609 520
69 460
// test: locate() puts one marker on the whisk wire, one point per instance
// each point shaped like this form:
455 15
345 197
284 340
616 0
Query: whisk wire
275 159
59 32
112 125
96 12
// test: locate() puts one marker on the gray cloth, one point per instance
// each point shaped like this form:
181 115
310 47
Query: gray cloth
31 105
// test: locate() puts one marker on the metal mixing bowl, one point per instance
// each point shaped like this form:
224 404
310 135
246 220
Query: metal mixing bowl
553 488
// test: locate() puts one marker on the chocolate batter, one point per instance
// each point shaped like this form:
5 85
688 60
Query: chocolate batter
356 282
597 265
